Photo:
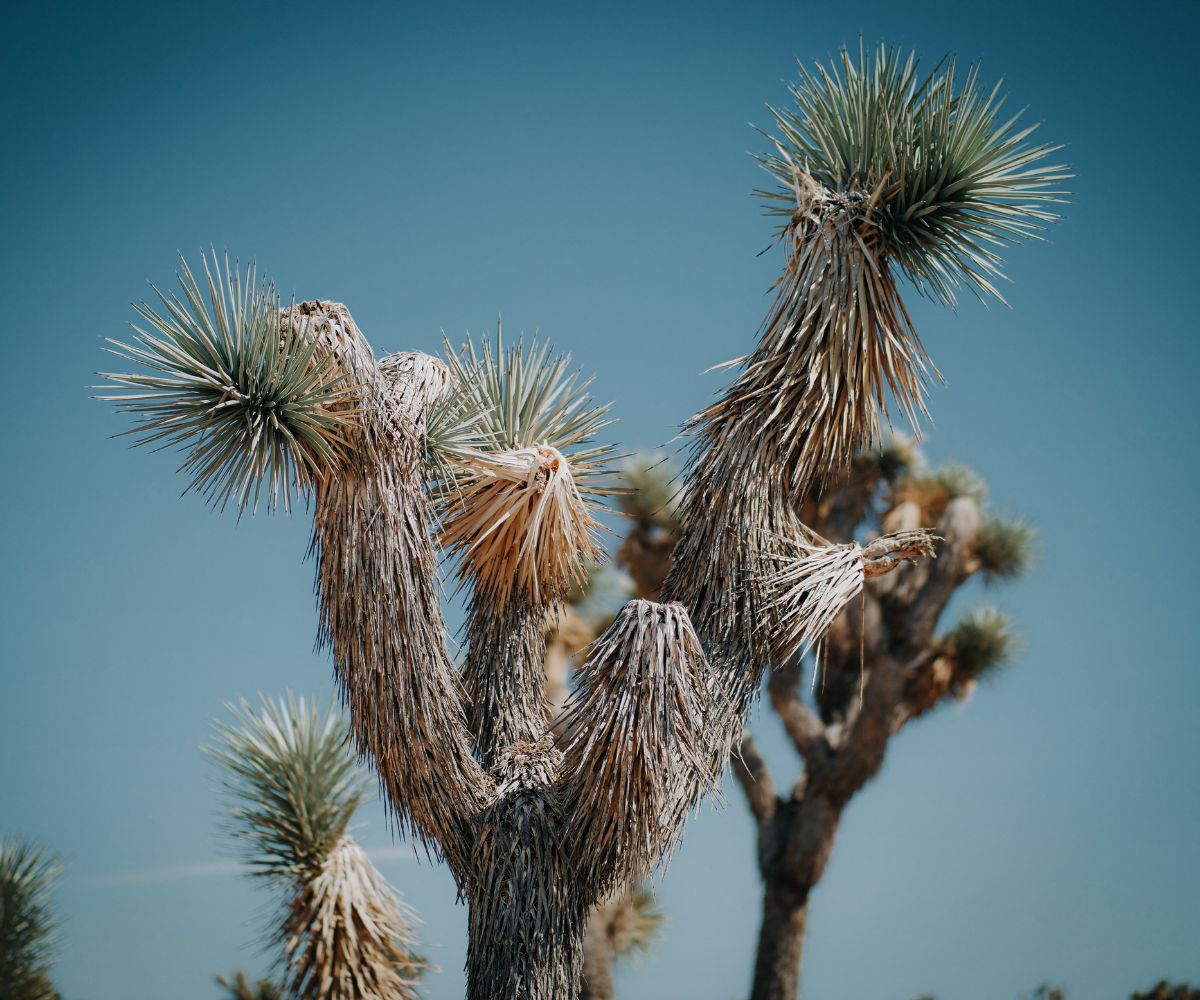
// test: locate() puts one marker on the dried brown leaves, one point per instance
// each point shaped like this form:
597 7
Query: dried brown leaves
347 935
636 744
518 522
818 580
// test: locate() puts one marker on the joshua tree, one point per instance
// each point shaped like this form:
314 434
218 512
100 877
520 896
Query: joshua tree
295 785
1163 990
27 922
876 674
881 174
881 664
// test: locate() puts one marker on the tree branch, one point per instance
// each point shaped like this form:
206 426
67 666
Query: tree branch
752 774
919 595
807 732
505 674
380 610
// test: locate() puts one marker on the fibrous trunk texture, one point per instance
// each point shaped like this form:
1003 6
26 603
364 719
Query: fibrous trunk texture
527 904
505 674
835 342
780 944
380 611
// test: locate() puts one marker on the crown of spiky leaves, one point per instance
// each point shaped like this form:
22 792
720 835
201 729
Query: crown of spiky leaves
949 182
27 923
261 410
518 473
292 779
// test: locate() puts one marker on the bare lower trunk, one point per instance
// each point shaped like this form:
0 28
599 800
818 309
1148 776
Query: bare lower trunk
538 960
597 958
780 944
525 931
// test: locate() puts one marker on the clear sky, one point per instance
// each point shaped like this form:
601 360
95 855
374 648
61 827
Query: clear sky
584 172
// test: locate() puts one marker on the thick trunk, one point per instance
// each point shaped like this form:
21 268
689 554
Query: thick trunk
525 952
780 944
525 931
597 957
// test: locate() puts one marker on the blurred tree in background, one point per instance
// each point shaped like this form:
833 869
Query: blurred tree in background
873 678
294 784
882 664
27 923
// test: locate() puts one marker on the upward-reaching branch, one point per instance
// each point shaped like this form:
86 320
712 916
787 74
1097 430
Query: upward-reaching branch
377 577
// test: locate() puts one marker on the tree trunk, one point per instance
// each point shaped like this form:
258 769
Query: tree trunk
780 943
597 957
525 930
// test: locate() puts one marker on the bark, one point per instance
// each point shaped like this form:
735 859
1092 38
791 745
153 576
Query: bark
525 930
780 944
879 669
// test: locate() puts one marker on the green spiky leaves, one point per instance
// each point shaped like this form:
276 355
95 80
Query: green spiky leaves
27 923
650 495
949 180
293 781
295 784
520 396
259 408
982 641
518 470
1004 548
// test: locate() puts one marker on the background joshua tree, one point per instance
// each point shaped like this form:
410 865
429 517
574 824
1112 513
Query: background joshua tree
27 922
881 664
881 173
294 786
874 678
1163 990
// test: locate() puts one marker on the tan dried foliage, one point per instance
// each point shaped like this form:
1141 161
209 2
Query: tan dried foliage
518 523
347 934
636 744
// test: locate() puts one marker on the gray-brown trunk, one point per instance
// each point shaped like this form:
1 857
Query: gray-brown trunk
780 944
525 930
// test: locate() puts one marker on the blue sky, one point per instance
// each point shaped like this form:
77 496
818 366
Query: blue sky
584 172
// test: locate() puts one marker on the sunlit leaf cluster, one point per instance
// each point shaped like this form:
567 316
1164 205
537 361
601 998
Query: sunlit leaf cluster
292 779
950 179
260 411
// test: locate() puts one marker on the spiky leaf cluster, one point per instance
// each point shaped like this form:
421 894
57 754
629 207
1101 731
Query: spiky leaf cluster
636 743
635 923
520 396
521 471
1004 548
259 409
27 922
982 641
933 491
894 458
347 935
650 495
951 181
295 785
293 781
